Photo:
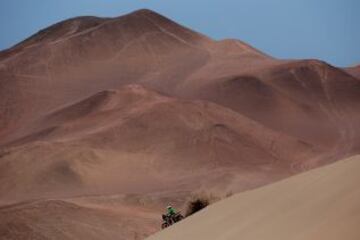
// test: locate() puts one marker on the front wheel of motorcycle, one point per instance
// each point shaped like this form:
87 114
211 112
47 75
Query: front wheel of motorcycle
164 225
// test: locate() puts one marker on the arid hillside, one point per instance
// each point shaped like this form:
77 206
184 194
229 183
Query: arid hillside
119 117
355 71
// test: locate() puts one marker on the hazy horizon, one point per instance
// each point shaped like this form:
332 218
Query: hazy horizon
325 29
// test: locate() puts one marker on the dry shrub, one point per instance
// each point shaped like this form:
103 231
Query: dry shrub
200 201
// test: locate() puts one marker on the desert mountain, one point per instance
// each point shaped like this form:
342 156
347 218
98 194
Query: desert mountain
354 71
71 60
124 139
111 108
320 204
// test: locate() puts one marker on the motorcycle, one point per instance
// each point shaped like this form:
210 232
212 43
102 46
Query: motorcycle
170 220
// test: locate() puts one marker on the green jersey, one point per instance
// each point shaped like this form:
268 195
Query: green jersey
171 211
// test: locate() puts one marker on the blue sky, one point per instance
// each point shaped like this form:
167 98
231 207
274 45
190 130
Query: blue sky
322 29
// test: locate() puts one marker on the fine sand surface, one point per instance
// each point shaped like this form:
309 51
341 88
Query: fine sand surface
322 204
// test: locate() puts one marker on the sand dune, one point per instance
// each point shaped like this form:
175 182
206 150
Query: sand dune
321 204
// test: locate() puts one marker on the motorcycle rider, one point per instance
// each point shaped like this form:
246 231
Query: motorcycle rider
172 216
171 212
